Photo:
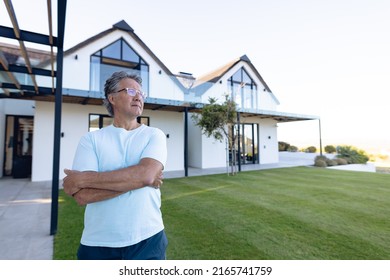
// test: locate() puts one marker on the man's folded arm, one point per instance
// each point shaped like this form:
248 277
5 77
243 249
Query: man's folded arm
86 196
104 185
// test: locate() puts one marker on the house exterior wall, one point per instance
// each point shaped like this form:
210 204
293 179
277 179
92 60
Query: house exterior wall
204 152
209 153
213 152
172 124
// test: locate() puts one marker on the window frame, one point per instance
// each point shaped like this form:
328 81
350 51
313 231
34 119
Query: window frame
242 91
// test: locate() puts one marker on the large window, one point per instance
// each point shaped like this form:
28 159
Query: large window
118 56
97 122
243 90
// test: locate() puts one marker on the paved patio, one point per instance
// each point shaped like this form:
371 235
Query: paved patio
25 220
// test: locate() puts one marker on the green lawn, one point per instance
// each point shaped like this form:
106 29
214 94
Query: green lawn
289 213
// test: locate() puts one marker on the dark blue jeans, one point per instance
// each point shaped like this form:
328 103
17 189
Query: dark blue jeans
153 248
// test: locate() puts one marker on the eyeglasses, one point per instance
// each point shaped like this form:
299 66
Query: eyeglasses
133 92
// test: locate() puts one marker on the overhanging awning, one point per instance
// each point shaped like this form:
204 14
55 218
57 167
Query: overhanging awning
276 115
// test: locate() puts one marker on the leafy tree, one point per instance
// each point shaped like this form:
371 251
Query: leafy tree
283 146
311 149
215 120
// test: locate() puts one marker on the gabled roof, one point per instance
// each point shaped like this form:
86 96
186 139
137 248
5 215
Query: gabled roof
205 82
123 26
218 73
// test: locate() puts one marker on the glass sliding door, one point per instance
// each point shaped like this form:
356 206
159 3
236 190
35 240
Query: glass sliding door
18 146
248 143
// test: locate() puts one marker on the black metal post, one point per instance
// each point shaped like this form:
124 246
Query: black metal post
319 122
57 117
239 141
186 142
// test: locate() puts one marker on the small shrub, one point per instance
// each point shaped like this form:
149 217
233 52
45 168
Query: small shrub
324 158
330 149
341 161
320 163
292 149
331 162
311 149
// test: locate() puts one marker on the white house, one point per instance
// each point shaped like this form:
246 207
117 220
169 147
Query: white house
27 126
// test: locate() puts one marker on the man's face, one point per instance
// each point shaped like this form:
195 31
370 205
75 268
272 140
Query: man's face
125 105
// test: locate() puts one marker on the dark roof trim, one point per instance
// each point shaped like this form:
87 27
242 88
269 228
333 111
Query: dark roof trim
122 25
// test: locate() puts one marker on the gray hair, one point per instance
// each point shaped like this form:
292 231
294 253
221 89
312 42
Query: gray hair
112 84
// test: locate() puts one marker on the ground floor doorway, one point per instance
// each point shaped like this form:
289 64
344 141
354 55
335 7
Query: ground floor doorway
246 137
18 146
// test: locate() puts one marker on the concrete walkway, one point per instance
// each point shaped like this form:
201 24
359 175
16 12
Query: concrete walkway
25 220
25 209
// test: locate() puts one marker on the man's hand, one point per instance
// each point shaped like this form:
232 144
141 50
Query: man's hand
158 181
73 181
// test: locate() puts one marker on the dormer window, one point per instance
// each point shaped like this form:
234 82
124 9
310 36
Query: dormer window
243 90
118 56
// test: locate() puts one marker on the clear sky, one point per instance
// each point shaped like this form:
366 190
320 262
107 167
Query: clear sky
329 58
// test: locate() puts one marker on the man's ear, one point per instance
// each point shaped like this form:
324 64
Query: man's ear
111 99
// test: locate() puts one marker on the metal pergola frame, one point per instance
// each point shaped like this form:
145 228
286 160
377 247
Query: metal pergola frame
23 36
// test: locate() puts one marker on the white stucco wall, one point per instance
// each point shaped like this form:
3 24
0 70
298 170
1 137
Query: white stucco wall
213 152
172 124
268 141
266 101
204 152
217 91
42 160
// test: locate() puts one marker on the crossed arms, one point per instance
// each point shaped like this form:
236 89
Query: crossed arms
90 186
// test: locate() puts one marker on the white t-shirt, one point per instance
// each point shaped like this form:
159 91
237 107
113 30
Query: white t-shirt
133 216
